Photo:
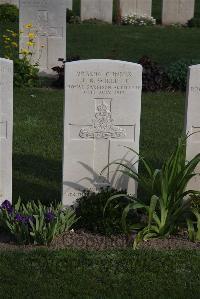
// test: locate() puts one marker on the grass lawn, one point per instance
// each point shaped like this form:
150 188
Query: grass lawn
114 274
163 44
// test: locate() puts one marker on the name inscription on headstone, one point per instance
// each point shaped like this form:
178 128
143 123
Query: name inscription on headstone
104 83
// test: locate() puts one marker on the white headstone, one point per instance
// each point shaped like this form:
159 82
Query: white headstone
193 120
69 4
14 2
102 115
138 7
177 11
97 9
6 128
48 18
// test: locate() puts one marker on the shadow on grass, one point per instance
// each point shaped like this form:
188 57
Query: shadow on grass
36 178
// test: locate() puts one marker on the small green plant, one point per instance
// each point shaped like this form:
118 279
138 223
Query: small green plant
72 18
137 20
90 209
194 226
25 74
25 69
177 73
194 22
169 200
9 13
35 223
154 77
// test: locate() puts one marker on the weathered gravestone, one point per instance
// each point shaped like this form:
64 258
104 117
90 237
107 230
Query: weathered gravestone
102 115
193 120
177 11
138 7
6 128
97 9
48 18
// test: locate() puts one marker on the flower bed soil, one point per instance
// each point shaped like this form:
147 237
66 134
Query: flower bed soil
88 241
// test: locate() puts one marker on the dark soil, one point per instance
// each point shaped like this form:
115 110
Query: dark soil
172 243
88 241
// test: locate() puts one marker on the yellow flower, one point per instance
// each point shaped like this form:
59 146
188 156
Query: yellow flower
14 44
25 52
28 26
31 35
14 34
30 44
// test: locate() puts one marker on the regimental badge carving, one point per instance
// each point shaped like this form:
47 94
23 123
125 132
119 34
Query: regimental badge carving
102 126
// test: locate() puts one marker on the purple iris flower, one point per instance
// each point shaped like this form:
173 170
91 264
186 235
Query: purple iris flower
23 219
6 205
19 218
49 217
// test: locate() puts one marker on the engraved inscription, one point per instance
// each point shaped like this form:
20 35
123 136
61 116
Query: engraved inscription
42 21
96 83
102 125
35 3
195 89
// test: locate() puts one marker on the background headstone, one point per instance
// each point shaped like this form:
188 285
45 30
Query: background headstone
6 128
102 115
14 2
48 18
193 120
138 7
97 9
177 11
69 4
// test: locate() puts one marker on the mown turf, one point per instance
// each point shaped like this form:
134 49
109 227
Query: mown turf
129 43
115 274
38 138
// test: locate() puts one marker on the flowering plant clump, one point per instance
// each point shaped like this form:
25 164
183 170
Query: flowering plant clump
137 20
26 68
35 223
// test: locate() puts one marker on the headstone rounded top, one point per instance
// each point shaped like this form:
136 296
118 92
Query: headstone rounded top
196 66
6 60
101 61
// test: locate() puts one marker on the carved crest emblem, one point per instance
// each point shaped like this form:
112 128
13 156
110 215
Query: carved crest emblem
102 126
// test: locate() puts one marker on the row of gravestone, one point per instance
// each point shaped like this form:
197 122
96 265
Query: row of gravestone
49 21
173 11
101 119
